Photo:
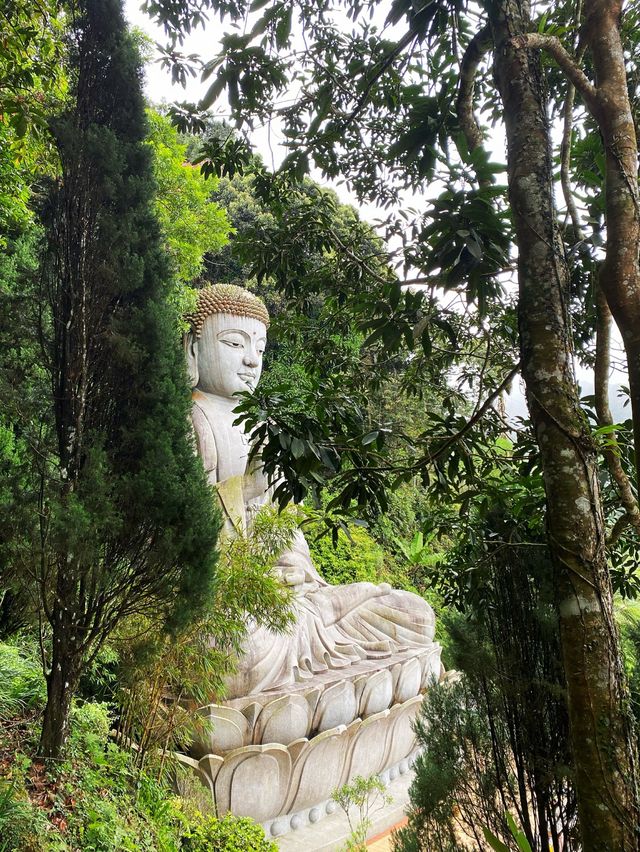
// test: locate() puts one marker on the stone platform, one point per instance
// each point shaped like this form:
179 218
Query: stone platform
306 709
332 833
277 757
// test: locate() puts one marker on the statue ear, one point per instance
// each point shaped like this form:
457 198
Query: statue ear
190 343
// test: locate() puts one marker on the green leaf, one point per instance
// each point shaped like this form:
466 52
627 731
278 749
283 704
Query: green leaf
21 125
493 841
474 248
283 28
214 90
297 448
518 835
209 68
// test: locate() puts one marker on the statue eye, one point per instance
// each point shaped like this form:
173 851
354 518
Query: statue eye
237 344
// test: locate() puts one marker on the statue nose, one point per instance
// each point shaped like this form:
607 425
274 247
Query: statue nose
251 358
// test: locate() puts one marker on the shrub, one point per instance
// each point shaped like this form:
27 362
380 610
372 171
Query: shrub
22 685
353 560
362 796
19 820
227 834
101 800
628 616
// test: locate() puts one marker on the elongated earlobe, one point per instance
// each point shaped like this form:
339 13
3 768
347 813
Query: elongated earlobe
191 354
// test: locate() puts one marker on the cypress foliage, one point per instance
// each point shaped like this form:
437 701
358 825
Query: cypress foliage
131 527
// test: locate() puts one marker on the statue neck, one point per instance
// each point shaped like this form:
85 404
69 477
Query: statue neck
223 405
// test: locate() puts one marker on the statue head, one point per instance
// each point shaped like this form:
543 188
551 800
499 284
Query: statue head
226 342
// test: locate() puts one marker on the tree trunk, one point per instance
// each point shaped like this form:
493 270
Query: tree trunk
62 680
601 737
620 274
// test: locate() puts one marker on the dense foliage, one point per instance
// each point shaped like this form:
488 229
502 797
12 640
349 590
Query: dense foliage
32 83
496 740
121 403
192 227
98 799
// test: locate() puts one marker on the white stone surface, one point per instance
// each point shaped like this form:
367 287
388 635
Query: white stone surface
288 786
330 833
284 720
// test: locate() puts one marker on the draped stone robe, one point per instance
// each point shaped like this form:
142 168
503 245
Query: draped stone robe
336 626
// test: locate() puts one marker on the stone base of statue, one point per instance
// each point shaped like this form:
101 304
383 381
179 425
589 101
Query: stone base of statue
333 833
277 756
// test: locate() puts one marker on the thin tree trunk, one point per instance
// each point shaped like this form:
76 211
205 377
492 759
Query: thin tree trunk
605 417
598 710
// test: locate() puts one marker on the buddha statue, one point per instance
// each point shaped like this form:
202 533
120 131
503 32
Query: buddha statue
336 626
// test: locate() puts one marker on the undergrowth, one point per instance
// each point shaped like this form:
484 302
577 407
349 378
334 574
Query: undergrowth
97 800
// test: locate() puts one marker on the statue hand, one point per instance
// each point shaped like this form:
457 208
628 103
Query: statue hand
384 588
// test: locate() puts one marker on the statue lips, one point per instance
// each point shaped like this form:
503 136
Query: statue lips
248 379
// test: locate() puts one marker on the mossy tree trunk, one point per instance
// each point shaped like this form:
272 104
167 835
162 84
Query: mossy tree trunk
620 273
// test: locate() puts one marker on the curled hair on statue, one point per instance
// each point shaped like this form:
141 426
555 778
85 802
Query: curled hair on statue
226 299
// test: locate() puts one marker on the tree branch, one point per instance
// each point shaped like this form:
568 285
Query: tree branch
478 47
565 146
565 159
378 70
618 528
553 46
471 422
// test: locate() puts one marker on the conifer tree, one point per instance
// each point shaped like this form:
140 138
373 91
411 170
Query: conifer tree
129 525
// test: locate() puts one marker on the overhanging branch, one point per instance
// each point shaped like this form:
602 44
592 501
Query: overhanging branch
471 422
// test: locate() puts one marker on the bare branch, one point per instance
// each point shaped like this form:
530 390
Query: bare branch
471 422
565 146
618 528
565 158
378 70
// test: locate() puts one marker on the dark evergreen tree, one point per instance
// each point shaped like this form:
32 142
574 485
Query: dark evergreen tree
130 527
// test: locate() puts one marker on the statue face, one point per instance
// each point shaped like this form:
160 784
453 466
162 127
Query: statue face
229 354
